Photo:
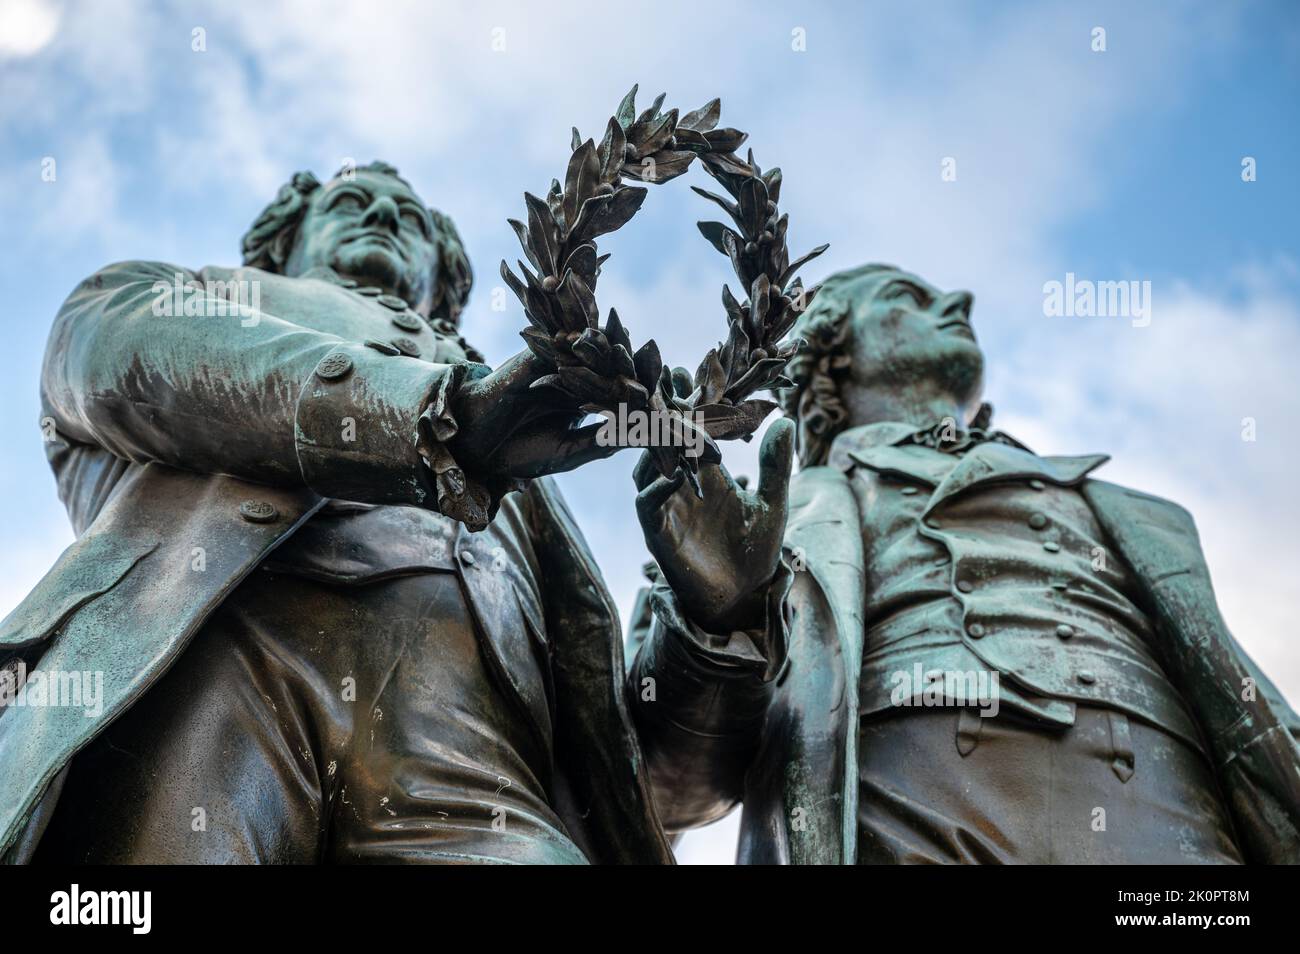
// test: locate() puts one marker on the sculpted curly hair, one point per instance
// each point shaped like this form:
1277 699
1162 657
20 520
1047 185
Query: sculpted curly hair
815 403
267 244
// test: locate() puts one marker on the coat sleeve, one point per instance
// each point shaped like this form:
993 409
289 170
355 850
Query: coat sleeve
253 396
699 701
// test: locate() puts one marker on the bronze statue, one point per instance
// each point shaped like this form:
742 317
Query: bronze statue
937 558
341 613
306 655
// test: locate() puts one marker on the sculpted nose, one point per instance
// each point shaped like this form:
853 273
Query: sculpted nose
382 213
958 303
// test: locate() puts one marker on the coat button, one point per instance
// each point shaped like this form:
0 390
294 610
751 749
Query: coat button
1038 521
1037 485
467 558
407 347
370 291
1087 677
1065 631
976 630
1051 546
393 302
932 523
908 491
333 366
381 346
965 585
258 511
408 321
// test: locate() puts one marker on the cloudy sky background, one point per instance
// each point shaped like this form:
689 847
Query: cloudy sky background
1122 165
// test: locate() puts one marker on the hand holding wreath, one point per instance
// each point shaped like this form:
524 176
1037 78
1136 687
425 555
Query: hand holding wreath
596 369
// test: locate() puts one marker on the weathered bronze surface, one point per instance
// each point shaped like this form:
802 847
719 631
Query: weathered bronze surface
1125 726
307 656
342 614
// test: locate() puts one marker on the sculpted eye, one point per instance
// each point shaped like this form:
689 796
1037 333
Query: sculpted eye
918 295
347 201
414 219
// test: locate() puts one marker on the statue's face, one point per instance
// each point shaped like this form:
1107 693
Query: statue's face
908 334
371 228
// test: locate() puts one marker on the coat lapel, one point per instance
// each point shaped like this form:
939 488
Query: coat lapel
603 789
154 585
801 800
992 462
1251 736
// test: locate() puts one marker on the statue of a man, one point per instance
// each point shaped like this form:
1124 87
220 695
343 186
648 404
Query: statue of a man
271 471
993 656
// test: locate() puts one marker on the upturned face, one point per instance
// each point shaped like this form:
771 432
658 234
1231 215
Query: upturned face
907 333
371 228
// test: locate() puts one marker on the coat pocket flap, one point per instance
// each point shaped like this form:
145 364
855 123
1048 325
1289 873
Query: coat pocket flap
90 567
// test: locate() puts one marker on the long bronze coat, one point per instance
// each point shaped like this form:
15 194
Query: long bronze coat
179 432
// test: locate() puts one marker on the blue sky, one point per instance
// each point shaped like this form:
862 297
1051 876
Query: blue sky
1115 165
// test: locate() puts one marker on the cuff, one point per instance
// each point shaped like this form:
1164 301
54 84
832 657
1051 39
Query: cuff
371 426
760 651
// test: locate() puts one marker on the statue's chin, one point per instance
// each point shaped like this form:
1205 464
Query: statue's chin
374 265
962 369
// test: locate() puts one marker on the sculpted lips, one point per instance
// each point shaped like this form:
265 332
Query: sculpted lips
959 324
379 238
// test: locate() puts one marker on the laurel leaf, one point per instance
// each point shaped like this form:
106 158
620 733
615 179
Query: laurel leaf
627 108
702 119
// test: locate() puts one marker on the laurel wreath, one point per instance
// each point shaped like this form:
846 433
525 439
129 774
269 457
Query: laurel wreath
596 367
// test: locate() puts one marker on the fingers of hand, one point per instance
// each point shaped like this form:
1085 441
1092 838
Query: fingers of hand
645 472
775 460
650 501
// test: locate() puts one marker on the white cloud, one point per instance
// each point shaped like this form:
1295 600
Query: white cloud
27 26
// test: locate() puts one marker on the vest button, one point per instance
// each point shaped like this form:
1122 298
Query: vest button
467 558
1087 677
1037 485
932 523
1038 521
408 321
407 347
1064 631
258 511
1051 546
976 630
333 366
965 586
908 491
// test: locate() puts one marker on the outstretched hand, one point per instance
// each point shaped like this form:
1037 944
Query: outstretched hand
719 553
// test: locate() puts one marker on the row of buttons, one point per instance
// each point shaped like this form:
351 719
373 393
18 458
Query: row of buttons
1037 521
337 364
1064 631
405 319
